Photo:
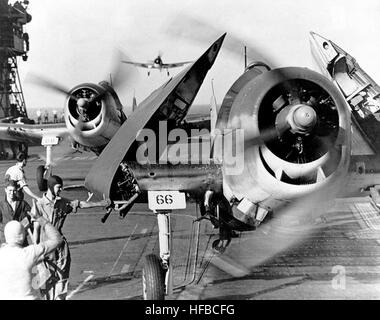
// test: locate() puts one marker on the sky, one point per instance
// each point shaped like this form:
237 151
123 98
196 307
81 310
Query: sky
74 41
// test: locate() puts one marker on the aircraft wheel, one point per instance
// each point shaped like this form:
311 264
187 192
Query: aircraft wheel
41 181
220 245
153 278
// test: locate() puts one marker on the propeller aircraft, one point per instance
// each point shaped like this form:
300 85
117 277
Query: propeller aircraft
157 63
296 143
281 136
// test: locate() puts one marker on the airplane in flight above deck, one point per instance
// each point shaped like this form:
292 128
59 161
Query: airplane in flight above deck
157 63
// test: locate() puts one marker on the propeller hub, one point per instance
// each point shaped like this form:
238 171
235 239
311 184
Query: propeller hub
82 103
303 119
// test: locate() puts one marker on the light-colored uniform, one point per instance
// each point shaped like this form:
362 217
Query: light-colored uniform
17 271
58 261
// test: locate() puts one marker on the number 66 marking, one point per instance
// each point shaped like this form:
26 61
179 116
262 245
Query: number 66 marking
167 199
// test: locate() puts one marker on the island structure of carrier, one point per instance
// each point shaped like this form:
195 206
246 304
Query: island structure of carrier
14 45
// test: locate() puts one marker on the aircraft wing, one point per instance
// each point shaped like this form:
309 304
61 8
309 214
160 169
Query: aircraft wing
138 64
30 133
175 65
170 102
360 91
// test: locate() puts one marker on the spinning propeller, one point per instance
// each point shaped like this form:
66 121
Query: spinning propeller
184 26
298 122
85 103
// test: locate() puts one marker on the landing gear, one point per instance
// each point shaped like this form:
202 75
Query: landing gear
148 73
219 245
225 235
217 209
168 73
157 275
45 171
153 279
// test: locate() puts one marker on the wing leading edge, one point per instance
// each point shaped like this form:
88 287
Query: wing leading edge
28 133
138 64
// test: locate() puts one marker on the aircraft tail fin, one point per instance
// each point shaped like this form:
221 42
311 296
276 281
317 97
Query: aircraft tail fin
213 112
134 103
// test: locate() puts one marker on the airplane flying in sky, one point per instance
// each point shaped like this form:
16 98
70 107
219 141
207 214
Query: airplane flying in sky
157 63
296 147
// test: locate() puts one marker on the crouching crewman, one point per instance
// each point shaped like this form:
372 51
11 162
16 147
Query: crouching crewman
18 263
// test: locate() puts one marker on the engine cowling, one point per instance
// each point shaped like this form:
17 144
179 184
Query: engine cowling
303 126
93 124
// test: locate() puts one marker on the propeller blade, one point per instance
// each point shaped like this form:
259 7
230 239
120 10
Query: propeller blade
266 135
196 30
48 84
78 128
97 97
289 228
118 76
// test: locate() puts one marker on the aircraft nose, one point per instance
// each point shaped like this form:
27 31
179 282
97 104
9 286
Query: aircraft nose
305 117
82 103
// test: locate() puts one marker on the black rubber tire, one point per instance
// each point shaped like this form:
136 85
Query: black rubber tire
41 181
153 278
219 246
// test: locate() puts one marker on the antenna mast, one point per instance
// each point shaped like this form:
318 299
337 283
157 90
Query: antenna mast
245 58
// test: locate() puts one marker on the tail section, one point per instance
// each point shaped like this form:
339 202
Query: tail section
134 104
